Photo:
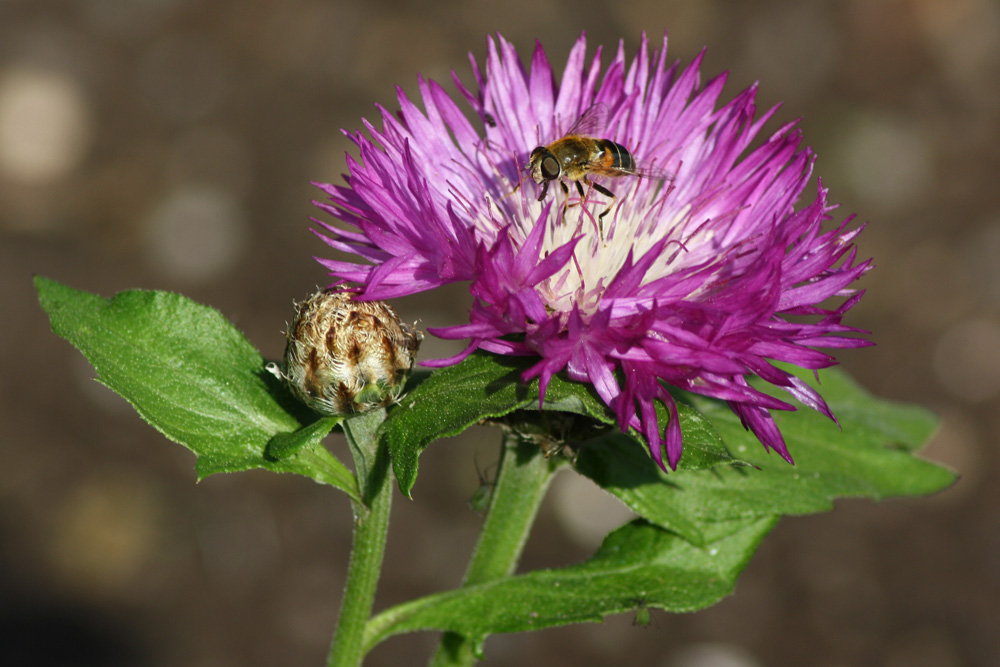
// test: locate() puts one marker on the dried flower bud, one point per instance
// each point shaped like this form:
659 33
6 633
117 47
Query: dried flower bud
344 356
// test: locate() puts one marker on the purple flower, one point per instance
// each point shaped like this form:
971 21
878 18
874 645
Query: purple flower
702 273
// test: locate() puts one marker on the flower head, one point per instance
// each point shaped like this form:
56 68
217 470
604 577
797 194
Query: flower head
697 271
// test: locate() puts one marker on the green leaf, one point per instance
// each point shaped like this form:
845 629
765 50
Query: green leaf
448 402
619 466
639 565
871 456
193 376
488 386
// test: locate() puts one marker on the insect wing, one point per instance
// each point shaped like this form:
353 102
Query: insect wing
592 122
652 172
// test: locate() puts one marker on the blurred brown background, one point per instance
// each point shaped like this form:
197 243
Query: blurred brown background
169 144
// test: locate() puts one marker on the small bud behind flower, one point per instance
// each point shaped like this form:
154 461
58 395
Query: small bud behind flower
344 356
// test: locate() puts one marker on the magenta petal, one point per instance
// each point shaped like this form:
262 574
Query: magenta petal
674 440
451 361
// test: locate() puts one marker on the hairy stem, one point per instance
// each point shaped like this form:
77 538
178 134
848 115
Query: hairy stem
523 477
371 524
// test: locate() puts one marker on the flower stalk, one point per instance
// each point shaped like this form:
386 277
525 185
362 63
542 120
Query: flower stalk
522 479
371 525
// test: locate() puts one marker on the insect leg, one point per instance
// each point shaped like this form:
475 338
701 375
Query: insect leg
565 204
603 190
545 188
607 193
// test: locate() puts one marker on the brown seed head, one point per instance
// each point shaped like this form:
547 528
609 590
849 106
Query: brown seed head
344 356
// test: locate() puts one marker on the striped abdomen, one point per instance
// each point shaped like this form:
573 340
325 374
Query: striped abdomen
615 156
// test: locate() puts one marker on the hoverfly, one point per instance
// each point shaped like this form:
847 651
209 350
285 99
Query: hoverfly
576 157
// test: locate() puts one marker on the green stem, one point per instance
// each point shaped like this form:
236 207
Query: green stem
371 524
522 480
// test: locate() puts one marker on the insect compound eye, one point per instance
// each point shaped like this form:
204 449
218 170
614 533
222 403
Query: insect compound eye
550 167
